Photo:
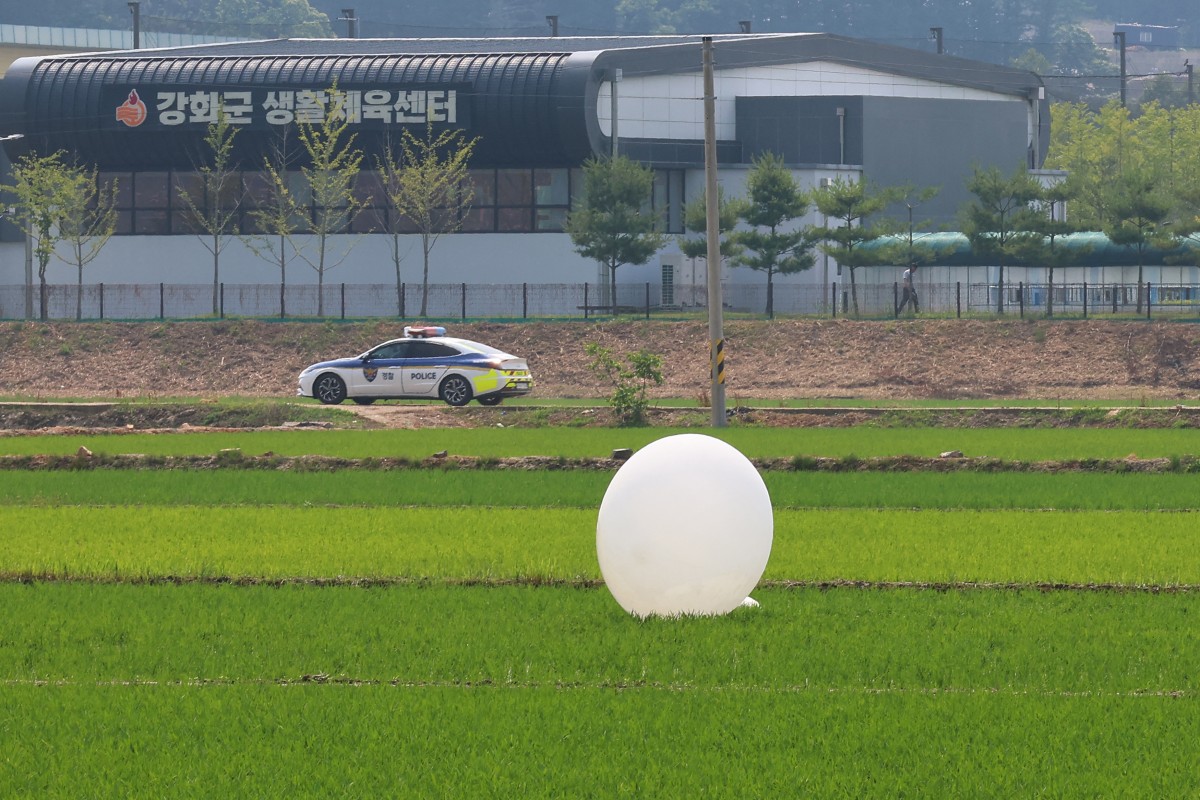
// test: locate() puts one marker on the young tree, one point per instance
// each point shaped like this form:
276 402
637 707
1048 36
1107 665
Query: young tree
89 221
694 243
38 188
1052 224
1000 222
850 203
330 170
425 181
1141 212
774 243
276 213
611 224
211 208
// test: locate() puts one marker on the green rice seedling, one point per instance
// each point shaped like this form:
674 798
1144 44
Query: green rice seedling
497 544
321 740
1115 643
585 489
862 442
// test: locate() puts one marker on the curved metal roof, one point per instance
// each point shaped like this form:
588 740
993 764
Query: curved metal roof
523 106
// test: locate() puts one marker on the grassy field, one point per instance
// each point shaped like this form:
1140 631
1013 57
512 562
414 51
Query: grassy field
442 633
1004 443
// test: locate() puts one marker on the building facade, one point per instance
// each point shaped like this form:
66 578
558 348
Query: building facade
830 106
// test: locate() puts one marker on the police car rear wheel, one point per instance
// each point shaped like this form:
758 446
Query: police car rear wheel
456 391
490 400
329 389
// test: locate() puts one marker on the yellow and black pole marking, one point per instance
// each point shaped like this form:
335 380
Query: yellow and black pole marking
718 360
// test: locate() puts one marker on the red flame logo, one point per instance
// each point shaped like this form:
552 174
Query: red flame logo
133 111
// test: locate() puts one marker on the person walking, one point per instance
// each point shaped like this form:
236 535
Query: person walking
909 295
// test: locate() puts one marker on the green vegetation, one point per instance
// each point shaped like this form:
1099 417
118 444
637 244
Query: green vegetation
442 632
1003 443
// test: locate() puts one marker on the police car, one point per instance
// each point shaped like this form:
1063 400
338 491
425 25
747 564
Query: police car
424 364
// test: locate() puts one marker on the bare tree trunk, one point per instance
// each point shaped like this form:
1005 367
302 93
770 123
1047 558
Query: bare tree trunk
79 294
425 247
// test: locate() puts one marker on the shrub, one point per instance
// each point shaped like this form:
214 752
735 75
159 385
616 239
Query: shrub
631 383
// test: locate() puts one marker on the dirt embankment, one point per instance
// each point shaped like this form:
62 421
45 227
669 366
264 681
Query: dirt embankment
948 359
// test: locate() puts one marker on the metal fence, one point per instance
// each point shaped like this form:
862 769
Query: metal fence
587 300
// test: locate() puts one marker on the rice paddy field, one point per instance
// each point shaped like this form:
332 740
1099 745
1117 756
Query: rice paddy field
440 632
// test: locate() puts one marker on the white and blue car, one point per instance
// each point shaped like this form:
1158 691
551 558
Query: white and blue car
425 364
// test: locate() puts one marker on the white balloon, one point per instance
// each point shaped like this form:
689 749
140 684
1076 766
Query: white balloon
685 527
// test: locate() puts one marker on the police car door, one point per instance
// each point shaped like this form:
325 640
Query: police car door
381 372
427 362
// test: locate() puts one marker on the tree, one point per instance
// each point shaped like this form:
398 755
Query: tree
850 203
1000 222
329 173
212 207
89 219
694 243
774 243
1053 224
39 185
425 180
1141 215
276 214
612 223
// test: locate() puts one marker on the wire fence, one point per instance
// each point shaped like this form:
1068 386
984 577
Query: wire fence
520 301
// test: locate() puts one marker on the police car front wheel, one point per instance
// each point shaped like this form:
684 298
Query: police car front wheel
456 390
329 389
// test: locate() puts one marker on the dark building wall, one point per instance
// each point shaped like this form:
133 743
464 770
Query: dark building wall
938 143
803 130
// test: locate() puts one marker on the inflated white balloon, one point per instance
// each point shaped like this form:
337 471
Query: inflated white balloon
684 528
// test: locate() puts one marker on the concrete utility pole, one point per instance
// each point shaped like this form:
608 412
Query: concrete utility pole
1119 38
716 335
351 21
936 35
136 10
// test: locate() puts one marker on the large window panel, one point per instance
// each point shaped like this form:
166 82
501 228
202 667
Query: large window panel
515 219
514 187
484 183
551 187
150 190
479 220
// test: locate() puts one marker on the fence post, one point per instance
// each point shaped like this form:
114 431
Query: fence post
282 305
343 301
403 292
1021 297
1114 291
102 301
1147 299
161 315
895 300
1085 299
833 299
845 302
221 304
958 299
585 300
524 301
464 303
647 299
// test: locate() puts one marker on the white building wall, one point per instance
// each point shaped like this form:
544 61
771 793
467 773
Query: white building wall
672 106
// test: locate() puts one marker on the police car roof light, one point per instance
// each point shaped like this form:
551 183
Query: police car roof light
423 331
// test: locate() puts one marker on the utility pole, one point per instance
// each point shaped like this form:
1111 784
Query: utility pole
1119 38
936 35
552 21
716 335
135 8
351 21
